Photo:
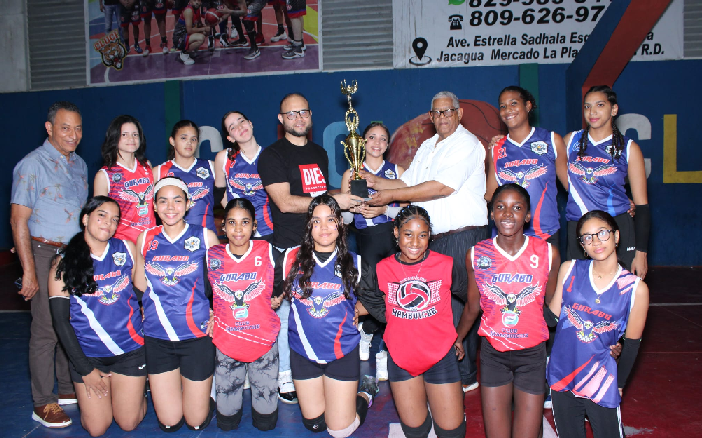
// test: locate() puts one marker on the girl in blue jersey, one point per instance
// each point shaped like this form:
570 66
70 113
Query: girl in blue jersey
531 157
597 302
96 316
321 277
236 169
600 160
179 354
374 227
198 174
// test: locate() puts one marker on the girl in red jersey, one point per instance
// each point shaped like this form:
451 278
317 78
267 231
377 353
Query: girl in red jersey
126 176
413 295
509 277
245 326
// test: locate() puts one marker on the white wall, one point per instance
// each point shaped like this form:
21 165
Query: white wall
14 73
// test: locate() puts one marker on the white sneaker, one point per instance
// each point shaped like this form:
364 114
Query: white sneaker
234 35
285 383
471 387
365 343
278 37
381 366
186 59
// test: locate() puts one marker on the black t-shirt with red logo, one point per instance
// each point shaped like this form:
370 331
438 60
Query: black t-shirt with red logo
305 168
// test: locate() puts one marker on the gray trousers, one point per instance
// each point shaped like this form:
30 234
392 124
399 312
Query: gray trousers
44 347
263 378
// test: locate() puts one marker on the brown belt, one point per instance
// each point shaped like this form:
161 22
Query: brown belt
458 230
49 242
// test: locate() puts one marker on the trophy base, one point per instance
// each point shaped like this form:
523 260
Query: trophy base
359 187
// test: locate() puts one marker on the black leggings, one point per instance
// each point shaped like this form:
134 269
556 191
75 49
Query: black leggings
569 414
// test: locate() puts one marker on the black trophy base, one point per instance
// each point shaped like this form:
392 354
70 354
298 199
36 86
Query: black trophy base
359 187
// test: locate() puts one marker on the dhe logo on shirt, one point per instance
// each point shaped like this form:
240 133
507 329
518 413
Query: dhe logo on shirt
312 179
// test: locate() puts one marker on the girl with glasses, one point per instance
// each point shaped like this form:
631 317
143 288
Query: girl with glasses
596 301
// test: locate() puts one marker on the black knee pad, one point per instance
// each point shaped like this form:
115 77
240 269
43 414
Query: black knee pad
264 421
210 414
361 408
458 432
229 422
418 432
173 428
250 26
316 424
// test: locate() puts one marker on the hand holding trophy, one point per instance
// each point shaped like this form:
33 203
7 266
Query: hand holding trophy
354 145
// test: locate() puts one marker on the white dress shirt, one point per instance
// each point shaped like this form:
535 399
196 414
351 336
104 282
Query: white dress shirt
457 162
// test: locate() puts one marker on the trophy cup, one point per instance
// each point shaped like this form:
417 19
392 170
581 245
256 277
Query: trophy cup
354 145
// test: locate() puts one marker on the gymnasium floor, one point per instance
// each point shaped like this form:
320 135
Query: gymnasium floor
661 401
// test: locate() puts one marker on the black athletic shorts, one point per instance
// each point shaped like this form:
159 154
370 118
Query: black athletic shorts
131 364
195 357
444 371
526 368
346 369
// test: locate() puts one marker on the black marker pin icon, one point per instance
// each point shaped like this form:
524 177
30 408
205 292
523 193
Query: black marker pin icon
419 45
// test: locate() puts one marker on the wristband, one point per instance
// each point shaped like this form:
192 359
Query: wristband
642 227
219 195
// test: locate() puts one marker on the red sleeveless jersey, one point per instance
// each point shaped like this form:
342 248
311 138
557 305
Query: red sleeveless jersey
245 325
133 191
420 327
512 290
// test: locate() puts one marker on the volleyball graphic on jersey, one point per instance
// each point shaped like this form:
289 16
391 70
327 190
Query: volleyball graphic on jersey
413 295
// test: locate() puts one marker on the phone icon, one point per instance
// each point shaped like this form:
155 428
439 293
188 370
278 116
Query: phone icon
455 21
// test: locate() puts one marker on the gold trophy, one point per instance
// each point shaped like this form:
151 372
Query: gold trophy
354 145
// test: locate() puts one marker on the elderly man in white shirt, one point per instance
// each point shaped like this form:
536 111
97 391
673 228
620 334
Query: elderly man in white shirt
447 178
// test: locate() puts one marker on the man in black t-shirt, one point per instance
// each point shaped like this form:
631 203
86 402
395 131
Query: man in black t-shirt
293 170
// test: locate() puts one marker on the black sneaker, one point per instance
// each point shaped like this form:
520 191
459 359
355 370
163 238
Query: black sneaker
294 52
253 54
223 39
370 386
288 397
241 42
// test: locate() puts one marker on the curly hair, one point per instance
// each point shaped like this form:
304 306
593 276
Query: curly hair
110 146
76 264
303 266
234 148
617 137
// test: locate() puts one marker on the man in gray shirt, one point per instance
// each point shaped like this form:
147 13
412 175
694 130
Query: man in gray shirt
49 188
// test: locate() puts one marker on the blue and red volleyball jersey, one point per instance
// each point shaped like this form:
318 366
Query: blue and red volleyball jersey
591 320
133 189
420 328
532 165
596 181
387 170
200 181
108 322
175 305
512 290
321 326
245 326
243 181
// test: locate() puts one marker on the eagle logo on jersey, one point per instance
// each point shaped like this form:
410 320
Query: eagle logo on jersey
215 264
511 303
239 298
116 177
247 188
589 175
119 258
389 174
111 50
202 173
587 330
142 199
199 194
539 147
318 307
522 178
484 262
171 276
109 294
192 244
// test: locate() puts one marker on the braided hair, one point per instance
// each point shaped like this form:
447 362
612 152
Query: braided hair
617 137
410 212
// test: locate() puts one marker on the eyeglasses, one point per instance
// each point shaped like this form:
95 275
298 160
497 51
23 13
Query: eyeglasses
602 235
446 113
292 115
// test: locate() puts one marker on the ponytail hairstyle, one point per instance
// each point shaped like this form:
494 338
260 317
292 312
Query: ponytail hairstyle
617 137
234 148
177 127
524 94
604 217
304 263
410 212
374 125
110 146
244 204
76 264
